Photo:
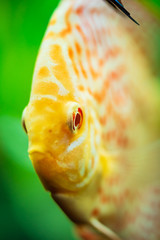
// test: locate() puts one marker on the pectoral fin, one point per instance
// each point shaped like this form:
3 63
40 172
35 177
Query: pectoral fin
103 230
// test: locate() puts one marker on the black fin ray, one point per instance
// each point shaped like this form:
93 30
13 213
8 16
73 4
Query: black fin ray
118 5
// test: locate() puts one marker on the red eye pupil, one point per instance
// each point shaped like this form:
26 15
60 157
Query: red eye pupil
77 119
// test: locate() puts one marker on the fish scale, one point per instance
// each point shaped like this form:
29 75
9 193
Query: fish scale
90 125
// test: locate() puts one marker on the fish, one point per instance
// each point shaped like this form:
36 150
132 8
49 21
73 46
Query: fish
93 119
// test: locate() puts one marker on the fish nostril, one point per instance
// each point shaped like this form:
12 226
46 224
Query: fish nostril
24 126
23 120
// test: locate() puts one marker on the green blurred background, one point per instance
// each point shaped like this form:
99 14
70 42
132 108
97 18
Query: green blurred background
26 210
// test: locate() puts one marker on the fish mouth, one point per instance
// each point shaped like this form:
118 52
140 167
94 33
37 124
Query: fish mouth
36 155
35 149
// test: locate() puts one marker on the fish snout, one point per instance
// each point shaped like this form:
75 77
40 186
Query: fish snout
36 155
35 151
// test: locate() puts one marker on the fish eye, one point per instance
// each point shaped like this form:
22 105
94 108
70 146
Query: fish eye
23 121
77 119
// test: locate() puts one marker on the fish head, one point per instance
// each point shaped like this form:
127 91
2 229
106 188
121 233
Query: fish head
58 120
58 142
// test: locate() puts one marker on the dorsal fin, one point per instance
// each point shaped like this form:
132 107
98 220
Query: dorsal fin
119 5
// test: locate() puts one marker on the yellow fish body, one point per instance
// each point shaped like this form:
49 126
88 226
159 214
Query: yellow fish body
93 120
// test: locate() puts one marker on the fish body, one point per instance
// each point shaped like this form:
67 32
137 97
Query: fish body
93 121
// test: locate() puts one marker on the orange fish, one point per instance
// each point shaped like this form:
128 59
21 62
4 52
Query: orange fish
93 119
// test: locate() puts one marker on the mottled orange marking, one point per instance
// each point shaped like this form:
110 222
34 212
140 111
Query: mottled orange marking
100 96
43 72
107 84
100 191
71 55
122 141
105 199
105 137
119 98
65 31
80 9
103 120
78 48
113 52
70 52
83 70
90 29
109 109
96 11
81 88
60 70
68 29
53 21
117 74
81 33
90 91
93 73
101 62
95 212
111 135
114 180
49 35
47 88
114 75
